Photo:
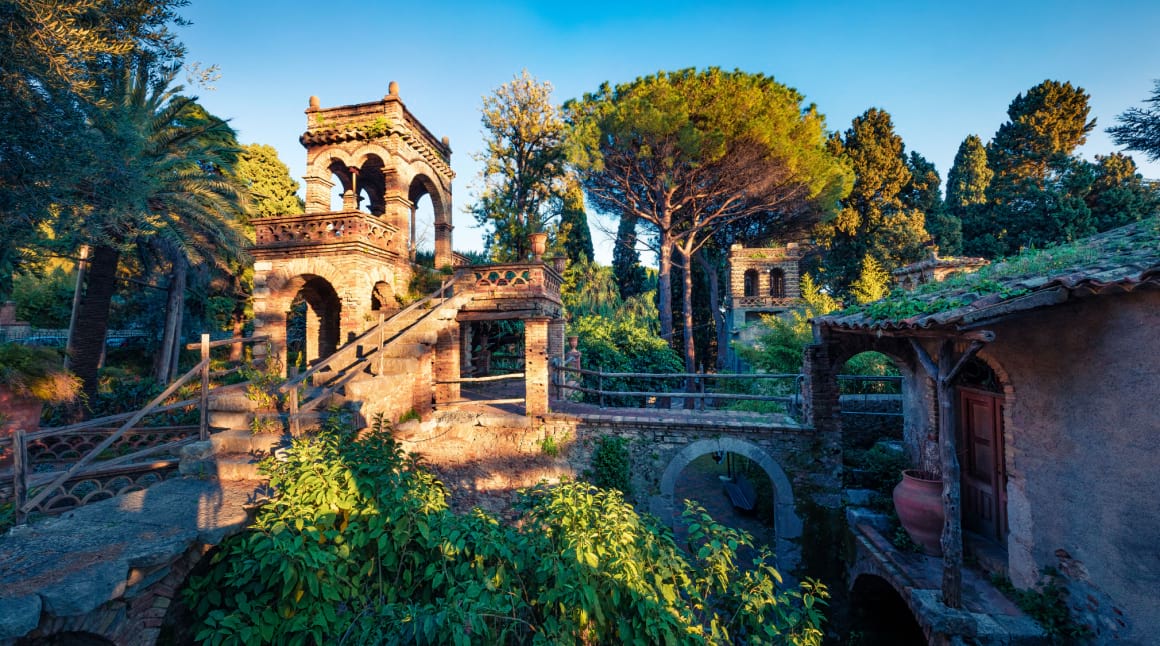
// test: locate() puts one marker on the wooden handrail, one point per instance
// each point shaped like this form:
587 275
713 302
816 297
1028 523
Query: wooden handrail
99 422
478 380
107 442
224 342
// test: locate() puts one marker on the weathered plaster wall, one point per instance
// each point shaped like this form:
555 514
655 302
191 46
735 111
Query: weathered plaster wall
1083 460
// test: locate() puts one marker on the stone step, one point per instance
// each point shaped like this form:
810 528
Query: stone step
244 441
228 467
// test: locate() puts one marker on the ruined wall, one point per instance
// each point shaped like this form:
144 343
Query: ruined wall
1081 429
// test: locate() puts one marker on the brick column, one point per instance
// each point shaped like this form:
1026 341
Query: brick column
536 366
443 245
447 363
318 193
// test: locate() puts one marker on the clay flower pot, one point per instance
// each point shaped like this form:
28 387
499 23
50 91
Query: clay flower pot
918 500
539 242
560 263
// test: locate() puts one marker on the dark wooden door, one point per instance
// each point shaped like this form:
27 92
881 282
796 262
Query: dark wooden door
984 480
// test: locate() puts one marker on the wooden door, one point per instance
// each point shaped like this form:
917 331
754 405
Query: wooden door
984 478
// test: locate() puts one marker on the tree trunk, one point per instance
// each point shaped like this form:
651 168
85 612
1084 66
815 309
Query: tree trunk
93 317
239 321
710 268
687 325
665 286
171 338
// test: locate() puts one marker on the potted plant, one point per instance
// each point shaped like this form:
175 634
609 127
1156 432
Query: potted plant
31 377
918 501
539 242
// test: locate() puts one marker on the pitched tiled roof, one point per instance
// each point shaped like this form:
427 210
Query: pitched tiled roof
1119 260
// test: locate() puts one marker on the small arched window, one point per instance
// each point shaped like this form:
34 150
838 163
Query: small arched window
777 283
750 283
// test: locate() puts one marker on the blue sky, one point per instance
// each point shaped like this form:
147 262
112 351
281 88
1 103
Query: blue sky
943 70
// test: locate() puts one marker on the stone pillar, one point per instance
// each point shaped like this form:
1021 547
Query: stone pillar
536 366
443 257
318 193
447 363
270 314
556 339
397 211
465 366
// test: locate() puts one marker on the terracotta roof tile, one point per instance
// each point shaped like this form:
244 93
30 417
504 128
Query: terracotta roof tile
1119 260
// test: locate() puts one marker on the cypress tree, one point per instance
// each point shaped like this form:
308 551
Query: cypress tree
577 237
630 276
922 193
967 184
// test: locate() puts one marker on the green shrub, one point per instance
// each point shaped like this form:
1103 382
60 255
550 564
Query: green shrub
359 547
612 464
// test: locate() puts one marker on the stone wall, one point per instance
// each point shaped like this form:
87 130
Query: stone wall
1081 454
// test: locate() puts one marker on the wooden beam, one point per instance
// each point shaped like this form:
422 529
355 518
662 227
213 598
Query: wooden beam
986 336
975 347
924 359
952 534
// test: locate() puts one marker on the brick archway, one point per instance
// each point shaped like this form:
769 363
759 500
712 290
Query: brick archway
787 526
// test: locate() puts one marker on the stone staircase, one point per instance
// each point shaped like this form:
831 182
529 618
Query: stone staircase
230 455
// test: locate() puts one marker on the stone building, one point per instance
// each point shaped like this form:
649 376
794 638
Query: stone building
934 269
1032 396
349 264
762 281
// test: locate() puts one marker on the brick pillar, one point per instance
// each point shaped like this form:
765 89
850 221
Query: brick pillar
556 339
465 365
822 411
397 211
447 363
536 366
443 245
318 193
269 314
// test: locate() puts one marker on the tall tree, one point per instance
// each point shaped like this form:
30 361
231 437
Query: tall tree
574 236
1032 156
874 220
523 173
967 184
686 152
922 194
630 276
49 52
272 190
158 174
1118 194
1139 128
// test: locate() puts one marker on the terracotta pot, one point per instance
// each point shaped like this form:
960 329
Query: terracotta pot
560 263
573 341
539 242
19 412
918 500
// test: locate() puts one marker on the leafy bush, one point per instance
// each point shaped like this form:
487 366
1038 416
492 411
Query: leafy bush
1046 604
359 547
612 464
612 345
36 372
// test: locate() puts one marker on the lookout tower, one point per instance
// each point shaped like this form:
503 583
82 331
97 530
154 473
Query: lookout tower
346 265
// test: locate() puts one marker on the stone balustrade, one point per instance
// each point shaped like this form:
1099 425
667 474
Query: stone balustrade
323 228
749 302
515 280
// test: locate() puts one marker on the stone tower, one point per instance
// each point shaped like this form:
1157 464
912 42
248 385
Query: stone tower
349 264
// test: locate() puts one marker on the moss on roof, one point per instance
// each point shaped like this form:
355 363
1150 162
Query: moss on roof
1127 253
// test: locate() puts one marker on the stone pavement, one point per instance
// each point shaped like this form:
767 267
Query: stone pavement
73 564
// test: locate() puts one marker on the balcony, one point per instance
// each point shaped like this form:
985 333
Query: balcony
343 229
763 302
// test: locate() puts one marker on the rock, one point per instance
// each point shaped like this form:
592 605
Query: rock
19 615
85 590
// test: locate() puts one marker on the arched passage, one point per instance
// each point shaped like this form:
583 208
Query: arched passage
880 616
787 525
313 328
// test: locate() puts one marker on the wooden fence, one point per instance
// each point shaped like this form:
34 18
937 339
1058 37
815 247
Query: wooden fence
106 456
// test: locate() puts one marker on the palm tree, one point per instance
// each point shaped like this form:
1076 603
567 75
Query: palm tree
158 181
